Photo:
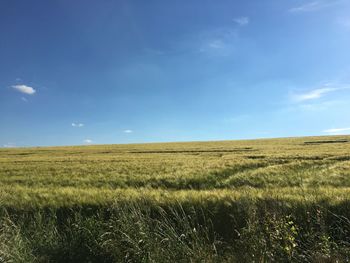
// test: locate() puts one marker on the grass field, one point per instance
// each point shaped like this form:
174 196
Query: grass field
272 200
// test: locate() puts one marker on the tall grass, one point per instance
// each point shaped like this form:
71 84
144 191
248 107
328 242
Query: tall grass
244 230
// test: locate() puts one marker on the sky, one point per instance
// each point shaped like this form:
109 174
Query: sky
106 72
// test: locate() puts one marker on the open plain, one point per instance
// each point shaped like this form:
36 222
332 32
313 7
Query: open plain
285 200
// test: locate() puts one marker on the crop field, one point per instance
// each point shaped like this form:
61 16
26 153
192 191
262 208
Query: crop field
269 200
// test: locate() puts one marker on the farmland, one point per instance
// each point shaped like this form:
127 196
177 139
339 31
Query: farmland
284 200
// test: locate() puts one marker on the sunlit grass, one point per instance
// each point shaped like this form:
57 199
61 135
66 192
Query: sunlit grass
279 198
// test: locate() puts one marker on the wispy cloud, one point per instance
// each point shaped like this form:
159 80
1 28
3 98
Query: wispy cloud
24 99
313 94
320 106
242 21
318 99
88 141
337 130
313 6
77 125
220 42
9 145
216 44
344 22
24 89
128 131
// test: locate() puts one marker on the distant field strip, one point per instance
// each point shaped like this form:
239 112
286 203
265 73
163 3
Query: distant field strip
104 173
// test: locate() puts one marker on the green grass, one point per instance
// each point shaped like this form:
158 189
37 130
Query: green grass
284 200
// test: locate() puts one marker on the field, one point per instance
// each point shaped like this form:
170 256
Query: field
272 200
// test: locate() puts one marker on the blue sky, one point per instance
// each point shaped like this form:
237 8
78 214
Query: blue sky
86 72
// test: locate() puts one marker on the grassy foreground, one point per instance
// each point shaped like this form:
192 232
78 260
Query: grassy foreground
276 200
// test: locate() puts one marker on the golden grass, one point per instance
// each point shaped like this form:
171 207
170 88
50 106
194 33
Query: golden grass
283 169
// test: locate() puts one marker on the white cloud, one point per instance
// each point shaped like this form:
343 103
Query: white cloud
314 6
24 89
311 6
128 131
24 99
78 125
9 145
242 21
313 94
337 130
87 141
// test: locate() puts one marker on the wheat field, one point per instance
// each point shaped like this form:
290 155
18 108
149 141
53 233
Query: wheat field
284 200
